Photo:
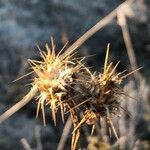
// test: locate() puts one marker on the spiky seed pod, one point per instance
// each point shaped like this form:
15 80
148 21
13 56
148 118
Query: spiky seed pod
53 76
95 96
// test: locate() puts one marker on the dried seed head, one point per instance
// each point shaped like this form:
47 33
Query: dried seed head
53 74
95 96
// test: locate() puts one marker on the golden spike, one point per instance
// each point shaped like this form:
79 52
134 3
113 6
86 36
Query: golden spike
43 112
93 129
106 58
79 124
37 61
23 76
61 108
38 109
120 73
42 99
62 112
109 66
52 42
114 69
32 62
62 49
45 56
48 55
53 106
131 73
52 50
109 130
75 138
41 52
76 134
87 69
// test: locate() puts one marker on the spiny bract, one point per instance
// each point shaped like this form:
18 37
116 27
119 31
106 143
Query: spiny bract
54 74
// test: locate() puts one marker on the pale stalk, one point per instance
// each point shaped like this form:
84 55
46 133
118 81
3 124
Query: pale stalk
19 105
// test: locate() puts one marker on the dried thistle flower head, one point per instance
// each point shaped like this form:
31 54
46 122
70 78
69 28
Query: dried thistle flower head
66 83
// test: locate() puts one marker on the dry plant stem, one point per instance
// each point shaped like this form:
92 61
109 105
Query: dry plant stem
102 23
25 144
65 134
38 138
19 105
127 39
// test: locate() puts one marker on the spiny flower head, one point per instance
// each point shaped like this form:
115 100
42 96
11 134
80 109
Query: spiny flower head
54 73
99 98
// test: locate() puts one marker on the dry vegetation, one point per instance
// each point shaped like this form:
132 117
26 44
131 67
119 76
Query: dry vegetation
63 82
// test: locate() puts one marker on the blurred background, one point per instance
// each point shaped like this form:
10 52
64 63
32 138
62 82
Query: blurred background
26 23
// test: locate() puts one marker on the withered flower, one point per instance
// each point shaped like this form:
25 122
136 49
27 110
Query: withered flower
64 82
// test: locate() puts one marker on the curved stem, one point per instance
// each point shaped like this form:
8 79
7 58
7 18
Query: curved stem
19 105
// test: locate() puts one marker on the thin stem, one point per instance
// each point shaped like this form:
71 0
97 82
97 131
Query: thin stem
65 134
19 105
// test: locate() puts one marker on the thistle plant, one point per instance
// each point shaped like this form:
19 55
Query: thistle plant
54 73
65 83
